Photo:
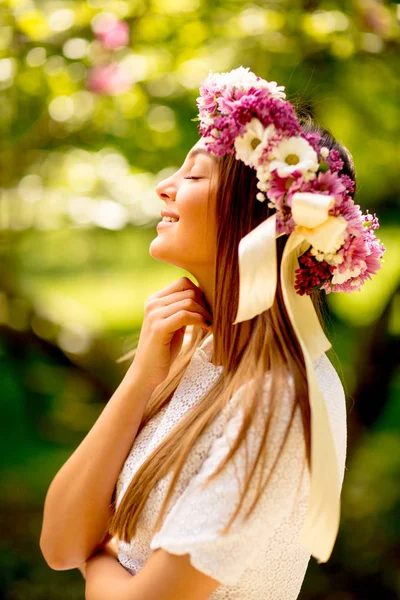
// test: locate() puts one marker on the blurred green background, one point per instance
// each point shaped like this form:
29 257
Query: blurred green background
96 102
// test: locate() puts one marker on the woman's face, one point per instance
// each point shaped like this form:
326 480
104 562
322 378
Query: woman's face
189 243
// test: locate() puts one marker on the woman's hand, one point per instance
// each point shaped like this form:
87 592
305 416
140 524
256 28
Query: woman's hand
109 549
166 315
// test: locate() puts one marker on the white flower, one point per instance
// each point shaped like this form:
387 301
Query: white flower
324 152
309 175
263 186
294 154
276 90
207 120
263 176
319 256
242 78
330 257
349 273
333 259
251 144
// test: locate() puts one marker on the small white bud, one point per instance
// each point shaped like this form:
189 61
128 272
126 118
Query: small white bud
324 152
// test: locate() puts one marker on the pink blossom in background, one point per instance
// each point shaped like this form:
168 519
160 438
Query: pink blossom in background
111 32
107 79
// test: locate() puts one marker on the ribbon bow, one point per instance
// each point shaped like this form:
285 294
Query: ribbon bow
258 279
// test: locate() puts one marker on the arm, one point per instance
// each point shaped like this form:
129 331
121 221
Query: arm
110 547
77 507
165 576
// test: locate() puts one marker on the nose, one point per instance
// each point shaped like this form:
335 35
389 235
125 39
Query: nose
165 189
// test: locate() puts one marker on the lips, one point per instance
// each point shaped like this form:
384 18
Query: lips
169 213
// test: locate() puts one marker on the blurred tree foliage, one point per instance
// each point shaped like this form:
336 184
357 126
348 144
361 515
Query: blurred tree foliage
96 102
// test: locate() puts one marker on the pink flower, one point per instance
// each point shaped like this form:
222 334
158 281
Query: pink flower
361 255
331 184
111 32
348 183
228 117
353 254
352 213
108 80
314 139
281 189
334 161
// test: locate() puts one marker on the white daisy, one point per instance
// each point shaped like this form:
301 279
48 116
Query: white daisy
250 145
294 154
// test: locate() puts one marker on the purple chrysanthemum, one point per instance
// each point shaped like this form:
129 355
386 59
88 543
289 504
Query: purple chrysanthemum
314 139
334 161
348 183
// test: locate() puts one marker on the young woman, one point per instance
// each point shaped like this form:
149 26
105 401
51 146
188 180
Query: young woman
215 469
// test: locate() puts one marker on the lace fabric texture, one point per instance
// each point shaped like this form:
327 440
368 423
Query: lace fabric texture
257 559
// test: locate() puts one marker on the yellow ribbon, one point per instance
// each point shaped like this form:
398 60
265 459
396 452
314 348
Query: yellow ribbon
310 213
258 279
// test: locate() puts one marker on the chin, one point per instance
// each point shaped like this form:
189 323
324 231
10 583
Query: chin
158 253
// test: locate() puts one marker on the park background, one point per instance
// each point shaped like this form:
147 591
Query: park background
96 106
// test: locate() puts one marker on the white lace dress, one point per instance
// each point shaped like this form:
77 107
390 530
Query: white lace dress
259 559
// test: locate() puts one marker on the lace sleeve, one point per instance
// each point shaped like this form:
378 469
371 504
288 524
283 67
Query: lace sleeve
193 525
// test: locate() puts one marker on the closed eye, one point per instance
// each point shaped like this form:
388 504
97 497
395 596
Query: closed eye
189 177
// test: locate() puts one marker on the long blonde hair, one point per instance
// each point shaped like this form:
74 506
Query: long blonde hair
272 347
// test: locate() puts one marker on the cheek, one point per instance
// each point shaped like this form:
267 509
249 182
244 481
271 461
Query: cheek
193 211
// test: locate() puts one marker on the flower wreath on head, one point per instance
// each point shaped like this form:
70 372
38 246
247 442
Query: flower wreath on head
329 237
245 115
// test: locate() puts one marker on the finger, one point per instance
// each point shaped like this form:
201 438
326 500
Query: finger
183 318
184 283
176 297
187 304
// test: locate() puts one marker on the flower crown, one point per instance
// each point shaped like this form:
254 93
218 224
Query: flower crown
245 115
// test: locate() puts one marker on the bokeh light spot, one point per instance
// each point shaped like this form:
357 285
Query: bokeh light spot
61 108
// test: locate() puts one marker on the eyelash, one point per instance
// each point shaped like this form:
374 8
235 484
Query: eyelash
191 177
